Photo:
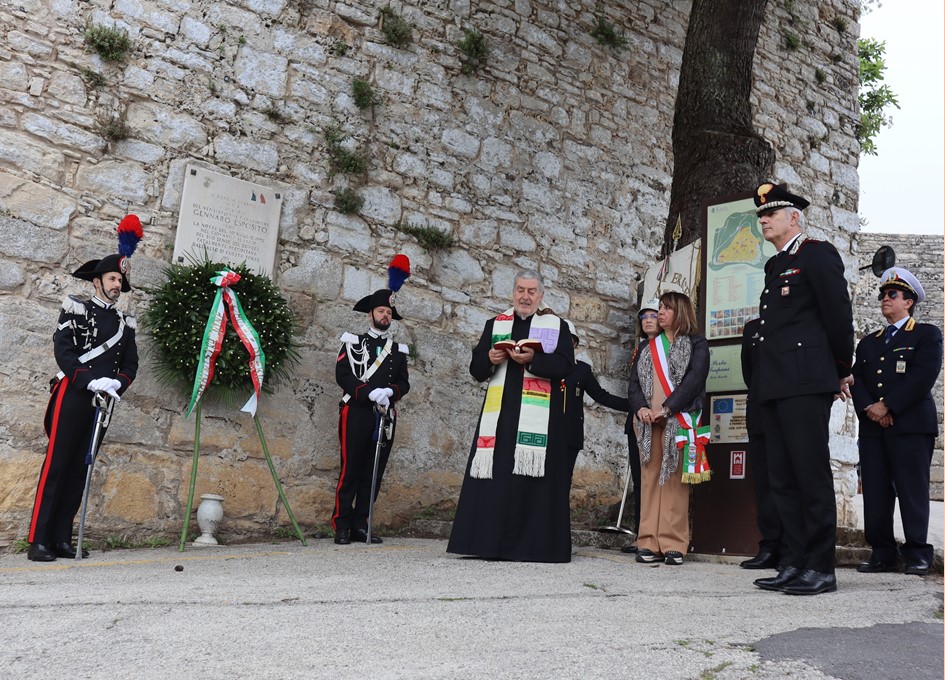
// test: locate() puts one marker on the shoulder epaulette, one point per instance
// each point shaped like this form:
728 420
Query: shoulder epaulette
130 320
74 305
910 324
349 338
403 348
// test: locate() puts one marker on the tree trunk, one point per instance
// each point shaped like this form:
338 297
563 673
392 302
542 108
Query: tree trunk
715 147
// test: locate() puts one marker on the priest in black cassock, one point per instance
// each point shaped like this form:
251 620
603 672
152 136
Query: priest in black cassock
514 502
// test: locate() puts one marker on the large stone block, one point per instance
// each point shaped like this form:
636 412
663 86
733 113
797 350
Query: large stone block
164 125
34 203
262 156
61 133
28 241
123 179
19 471
21 152
316 273
261 72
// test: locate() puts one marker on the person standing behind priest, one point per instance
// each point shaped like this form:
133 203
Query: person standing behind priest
805 354
514 502
895 371
580 381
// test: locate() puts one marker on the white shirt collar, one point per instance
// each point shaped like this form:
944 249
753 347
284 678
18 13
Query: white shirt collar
374 333
790 243
101 303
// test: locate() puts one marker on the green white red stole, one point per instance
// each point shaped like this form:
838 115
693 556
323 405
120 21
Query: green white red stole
690 437
531 438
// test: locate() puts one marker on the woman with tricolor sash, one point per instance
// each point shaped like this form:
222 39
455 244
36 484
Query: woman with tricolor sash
667 394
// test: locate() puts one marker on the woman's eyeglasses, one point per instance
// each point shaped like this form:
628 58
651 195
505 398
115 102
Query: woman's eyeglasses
891 294
647 316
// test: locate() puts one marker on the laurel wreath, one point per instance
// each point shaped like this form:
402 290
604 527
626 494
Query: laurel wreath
176 318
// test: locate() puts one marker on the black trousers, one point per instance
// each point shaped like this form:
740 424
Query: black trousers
69 422
356 426
801 480
897 465
769 522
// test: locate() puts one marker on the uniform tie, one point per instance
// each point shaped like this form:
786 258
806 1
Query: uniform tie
889 332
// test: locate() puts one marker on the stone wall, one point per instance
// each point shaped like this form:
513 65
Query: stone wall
556 156
923 256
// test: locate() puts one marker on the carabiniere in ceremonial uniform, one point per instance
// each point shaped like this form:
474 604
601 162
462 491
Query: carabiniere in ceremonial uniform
94 346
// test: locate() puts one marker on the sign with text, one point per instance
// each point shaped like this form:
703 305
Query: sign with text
727 419
736 468
228 220
725 369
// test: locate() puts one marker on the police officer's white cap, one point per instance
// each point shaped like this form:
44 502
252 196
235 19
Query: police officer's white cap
897 277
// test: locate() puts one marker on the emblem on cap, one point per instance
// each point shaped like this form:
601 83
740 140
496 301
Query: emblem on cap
763 192
124 265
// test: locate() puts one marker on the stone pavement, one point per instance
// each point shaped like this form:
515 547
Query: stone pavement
406 609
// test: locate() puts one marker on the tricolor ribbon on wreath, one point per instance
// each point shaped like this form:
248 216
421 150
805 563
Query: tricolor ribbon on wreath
691 438
226 299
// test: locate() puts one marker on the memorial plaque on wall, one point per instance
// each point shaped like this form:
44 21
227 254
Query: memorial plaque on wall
228 219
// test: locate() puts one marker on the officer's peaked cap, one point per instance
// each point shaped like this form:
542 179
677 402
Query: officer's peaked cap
771 196
903 279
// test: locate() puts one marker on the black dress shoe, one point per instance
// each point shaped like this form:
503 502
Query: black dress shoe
629 549
919 567
66 550
875 566
811 583
343 536
778 582
763 560
40 553
360 535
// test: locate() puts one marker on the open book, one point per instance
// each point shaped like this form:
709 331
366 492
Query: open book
512 346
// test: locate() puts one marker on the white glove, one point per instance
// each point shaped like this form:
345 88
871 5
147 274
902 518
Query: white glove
99 384
375 394
384 399
109 386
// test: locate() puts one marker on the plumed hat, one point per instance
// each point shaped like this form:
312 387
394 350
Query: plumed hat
397 273
770 196
129 233
903 279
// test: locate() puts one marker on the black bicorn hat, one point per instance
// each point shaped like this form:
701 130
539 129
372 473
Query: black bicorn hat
94 269
379 298
129 234
769 196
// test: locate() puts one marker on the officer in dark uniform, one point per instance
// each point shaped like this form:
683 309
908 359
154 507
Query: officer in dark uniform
579 381
769 524
805 355
372 371
895 370
94 346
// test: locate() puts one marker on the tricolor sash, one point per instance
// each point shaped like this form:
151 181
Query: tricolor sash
531 438
213 335
691 438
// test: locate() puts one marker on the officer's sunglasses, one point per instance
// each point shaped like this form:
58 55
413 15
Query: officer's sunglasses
891 294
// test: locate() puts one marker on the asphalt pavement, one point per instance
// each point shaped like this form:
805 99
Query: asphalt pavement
406 609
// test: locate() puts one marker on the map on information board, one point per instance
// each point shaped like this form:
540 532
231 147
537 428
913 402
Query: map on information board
736 253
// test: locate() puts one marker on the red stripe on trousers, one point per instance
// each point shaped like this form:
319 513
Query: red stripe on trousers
49 454
343 436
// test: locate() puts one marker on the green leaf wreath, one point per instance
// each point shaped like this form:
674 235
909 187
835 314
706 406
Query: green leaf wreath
177 315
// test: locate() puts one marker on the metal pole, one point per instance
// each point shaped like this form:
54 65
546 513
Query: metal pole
275 478
617 529
101 419
193 480
381 417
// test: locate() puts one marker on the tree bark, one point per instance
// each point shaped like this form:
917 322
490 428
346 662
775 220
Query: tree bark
715 147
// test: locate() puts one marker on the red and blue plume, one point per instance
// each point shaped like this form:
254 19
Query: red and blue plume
129 233
398 272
